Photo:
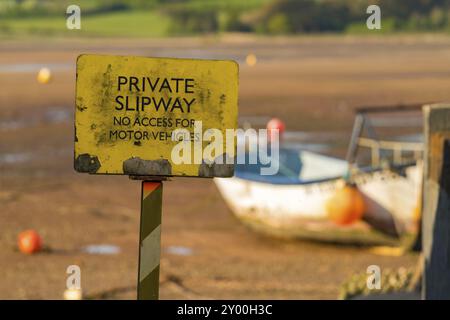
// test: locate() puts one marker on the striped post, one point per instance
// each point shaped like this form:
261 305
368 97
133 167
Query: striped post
150 240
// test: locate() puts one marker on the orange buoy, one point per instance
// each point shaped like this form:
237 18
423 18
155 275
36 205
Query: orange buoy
417 213
275 124
29 242
346 206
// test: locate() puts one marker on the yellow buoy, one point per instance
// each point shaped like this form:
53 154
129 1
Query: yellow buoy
251 59
387 251
44 75
73 294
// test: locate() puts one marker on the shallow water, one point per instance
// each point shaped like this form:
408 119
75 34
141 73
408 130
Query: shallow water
50 115
34 67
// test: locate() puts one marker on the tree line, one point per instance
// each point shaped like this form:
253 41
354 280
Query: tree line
258 16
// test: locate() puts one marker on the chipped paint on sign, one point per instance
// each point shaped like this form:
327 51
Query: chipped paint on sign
128 107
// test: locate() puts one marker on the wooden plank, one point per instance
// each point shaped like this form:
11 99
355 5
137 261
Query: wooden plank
436 203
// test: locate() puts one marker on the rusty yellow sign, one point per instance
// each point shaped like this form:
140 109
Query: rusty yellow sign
155 116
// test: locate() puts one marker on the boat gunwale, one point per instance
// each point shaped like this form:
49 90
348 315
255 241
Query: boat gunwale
364 170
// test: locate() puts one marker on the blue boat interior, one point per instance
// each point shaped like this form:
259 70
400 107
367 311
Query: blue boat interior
294 167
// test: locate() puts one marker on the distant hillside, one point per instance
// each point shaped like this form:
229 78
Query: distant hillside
160 18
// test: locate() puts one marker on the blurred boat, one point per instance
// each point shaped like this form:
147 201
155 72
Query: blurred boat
292 203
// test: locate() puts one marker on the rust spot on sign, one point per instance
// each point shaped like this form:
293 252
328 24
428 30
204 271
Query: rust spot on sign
219 168
87 163
138 166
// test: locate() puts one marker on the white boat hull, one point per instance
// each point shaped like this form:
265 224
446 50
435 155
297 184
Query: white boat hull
299 210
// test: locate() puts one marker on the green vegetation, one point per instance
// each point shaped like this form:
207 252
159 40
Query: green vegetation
361 28
401 280
121 23
158 18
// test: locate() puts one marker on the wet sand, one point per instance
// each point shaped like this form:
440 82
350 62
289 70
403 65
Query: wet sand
312 83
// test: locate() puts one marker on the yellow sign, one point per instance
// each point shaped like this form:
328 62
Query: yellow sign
155 116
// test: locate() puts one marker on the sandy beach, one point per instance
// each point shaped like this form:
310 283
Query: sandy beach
312 83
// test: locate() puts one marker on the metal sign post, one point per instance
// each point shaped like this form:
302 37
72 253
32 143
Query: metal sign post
150 240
